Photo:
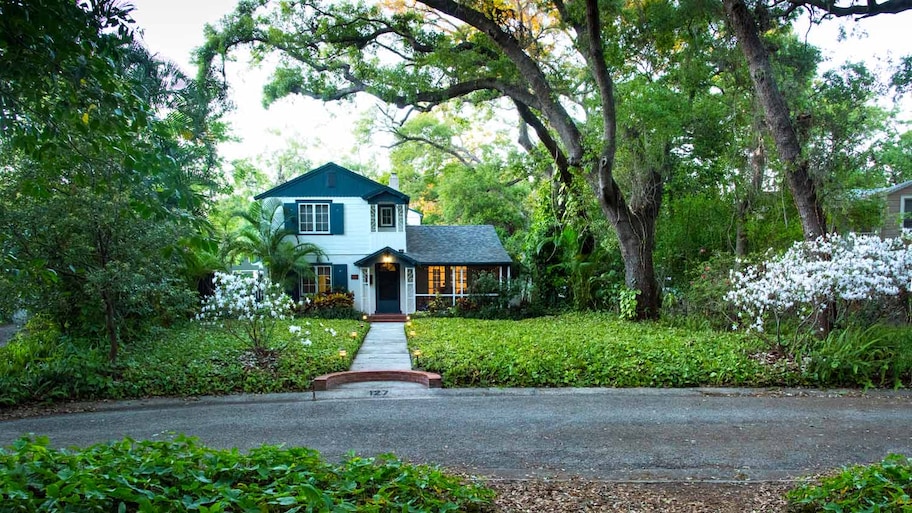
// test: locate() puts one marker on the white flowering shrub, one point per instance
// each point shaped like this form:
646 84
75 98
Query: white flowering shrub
247 307
820 280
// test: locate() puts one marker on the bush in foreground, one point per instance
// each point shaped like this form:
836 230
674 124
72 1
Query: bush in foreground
183 475
882 487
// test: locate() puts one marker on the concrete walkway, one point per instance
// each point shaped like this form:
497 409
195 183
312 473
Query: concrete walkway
384 348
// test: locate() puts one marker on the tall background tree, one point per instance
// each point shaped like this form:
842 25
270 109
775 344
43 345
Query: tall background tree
108 155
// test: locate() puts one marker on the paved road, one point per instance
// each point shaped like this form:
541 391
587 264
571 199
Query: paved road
609 434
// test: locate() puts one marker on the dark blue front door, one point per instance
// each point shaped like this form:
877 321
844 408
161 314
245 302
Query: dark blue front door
387 288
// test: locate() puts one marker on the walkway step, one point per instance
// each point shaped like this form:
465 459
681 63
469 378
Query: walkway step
382 358
388 318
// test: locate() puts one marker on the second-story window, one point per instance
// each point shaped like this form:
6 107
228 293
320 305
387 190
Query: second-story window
313 217
387 216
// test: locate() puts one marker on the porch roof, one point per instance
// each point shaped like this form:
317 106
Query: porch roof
377 256
456 245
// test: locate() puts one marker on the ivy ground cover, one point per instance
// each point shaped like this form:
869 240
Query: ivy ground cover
182 475
190 359
585 350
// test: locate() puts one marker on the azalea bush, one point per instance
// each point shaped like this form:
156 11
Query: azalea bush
816 284
246 307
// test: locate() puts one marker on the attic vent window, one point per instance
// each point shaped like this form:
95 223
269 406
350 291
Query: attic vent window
331 179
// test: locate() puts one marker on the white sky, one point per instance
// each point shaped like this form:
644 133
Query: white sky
172 28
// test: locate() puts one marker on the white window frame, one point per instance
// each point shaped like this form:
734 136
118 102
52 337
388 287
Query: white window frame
382 212
308 223
904 216
311 286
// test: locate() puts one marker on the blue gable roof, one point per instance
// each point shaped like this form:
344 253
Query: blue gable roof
334 181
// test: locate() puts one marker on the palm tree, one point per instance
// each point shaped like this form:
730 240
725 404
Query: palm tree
265 237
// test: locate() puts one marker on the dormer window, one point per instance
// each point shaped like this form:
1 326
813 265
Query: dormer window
387 214
313 217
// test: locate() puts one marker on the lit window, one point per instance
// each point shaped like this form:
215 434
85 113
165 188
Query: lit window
313 217
459 279
321 281
436 279
387 216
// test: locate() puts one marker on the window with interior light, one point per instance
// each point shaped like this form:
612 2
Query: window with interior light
321 281
436 279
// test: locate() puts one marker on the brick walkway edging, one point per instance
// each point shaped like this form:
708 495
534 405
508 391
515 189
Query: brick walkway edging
329 381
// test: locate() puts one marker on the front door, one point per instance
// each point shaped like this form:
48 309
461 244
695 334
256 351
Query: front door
387 288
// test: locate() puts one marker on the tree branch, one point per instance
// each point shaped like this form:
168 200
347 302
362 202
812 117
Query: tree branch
864 10
527 67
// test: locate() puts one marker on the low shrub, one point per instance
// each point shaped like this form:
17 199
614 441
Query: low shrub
587 350
328 305
873 357
183 475
884 486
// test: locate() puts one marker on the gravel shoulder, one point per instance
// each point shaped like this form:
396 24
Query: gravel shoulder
577 495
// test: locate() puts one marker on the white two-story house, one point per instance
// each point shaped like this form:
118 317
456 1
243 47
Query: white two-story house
376 247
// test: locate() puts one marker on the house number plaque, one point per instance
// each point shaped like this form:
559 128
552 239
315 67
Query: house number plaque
378 393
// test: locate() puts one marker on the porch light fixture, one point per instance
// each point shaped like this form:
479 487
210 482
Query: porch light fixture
387 258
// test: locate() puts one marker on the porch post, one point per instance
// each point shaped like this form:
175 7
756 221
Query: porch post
365 291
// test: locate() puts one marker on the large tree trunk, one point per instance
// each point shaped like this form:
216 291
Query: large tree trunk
775 108
635 228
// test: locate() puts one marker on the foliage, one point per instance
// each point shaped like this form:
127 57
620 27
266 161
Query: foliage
38 365
628 303
107 155
328 305
585 350
246 307
266 237
884 486
195 360
825 279
873 357
702 296
181 474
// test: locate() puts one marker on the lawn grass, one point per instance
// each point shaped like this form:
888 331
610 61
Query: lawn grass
585 350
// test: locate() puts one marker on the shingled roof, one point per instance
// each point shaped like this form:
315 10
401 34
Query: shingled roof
455 245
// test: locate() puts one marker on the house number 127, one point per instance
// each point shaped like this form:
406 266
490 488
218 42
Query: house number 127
378 393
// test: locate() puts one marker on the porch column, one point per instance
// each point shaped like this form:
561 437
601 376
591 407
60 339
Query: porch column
410 290
365 291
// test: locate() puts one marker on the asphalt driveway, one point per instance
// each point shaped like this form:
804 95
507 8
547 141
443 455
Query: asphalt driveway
639 434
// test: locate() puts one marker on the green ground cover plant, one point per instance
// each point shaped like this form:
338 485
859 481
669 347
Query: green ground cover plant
882 487
182 475
587 350
186 360
200 360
